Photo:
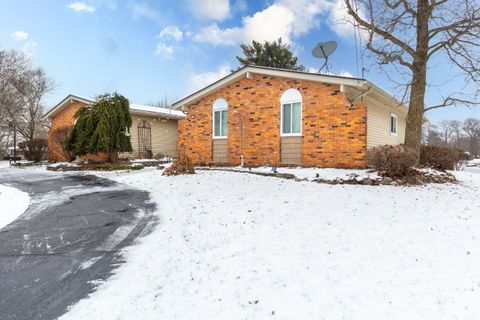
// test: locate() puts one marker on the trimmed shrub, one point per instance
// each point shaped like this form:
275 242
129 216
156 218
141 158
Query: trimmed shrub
392 161
442 158
34 150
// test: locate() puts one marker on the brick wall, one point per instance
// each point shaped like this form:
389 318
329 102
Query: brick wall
65 119
62 119
334 133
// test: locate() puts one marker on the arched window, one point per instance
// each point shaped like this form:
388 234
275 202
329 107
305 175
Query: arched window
220 118
291 109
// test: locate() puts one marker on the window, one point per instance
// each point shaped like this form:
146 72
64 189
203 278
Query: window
291 113
220 118
393 124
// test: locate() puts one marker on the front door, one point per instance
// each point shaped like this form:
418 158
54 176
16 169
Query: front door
144 140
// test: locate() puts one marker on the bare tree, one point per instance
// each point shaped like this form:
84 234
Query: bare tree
456 126
31 87
22 89
164 102
433 136
409 34
446 131
471 127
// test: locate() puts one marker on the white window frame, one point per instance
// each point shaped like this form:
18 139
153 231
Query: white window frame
291 102
216 108
394 116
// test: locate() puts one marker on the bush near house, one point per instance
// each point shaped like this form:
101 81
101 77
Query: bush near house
442 158
102 128
34 150
182 165
392 161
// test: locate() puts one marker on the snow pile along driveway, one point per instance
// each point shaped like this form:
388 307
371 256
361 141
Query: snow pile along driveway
237 246
13 203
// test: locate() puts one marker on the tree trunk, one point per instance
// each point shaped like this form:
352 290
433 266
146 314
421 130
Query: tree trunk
413 133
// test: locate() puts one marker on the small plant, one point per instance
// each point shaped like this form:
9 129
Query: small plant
164 157
442 158
34 150
182 165
392 161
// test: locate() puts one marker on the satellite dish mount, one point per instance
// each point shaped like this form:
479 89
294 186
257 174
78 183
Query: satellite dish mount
323 50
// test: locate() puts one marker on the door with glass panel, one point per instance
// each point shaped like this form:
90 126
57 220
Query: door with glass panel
291 133
220 131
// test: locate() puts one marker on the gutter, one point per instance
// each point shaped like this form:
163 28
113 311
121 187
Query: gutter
361 95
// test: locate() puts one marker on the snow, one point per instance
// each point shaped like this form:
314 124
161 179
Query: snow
239 246
158 110
474 162
64 164
13 203
4 164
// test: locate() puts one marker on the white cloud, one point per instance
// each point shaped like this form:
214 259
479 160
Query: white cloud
171 32
164 51
221 37
342 73
345 73
210 9
341 22
81 7
306 13
28 46
270 24
284 19
200 80
143 10
19 35
27 43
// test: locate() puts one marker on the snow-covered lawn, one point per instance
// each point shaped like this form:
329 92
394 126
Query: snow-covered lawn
4 164
238 246
13 203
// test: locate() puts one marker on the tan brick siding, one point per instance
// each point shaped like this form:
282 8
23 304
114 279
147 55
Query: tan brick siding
333 132
62 119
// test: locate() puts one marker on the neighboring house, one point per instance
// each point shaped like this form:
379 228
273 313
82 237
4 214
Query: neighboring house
153 131
268 116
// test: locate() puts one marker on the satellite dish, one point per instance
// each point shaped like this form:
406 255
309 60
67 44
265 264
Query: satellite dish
323 50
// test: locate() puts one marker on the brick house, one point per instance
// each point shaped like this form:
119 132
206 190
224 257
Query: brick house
153 131
267 116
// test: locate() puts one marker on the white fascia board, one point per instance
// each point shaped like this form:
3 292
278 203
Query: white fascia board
68 99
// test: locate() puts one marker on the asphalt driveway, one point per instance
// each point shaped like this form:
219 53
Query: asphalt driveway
66 241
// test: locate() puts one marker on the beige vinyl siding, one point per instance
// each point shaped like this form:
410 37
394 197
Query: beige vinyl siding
291 150
219 150
378 119
164 135
378 124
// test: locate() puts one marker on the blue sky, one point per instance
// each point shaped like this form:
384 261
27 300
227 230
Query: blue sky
147 50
